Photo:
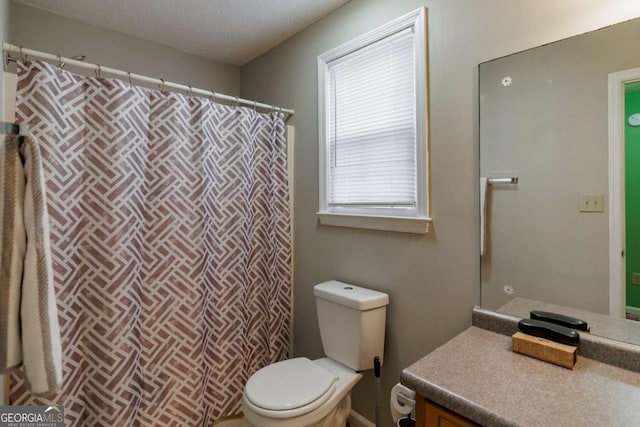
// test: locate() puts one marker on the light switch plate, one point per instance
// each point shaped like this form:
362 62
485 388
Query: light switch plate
592 202
635 278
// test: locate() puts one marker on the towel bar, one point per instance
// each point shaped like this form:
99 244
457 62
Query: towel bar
507 180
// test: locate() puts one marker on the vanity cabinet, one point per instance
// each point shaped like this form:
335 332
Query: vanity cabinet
429 414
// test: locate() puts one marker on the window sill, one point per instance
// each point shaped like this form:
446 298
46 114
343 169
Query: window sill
374 222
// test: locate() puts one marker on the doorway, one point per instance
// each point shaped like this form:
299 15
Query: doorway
624 194
632 198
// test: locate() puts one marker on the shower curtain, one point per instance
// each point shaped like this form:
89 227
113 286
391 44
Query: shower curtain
171 246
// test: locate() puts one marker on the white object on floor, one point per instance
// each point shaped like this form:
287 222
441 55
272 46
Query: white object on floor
399 397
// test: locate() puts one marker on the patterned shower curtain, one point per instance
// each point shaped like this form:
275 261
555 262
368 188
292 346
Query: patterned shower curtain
170 231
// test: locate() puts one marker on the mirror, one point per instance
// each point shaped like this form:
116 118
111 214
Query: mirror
544 118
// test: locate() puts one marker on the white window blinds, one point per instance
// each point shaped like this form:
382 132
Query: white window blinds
371 129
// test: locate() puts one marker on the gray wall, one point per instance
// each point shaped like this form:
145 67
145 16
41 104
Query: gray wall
433 280
551 126
4 18
40 30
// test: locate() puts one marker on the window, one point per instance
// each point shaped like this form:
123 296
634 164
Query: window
373 129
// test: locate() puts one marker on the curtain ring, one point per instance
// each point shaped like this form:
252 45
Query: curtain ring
255 105
60 63
129 74
162 85
213 97
98 70
23 57
237 102
190 91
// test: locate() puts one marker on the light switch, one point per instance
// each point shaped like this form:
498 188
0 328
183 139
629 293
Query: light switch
592 202
635 278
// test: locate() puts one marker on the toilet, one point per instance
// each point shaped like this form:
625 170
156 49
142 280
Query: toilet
317 393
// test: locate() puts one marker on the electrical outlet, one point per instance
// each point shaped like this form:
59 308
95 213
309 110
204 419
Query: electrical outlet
635 279
592 202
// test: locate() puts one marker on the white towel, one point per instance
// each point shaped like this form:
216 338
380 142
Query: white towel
37 320
14 241
484 183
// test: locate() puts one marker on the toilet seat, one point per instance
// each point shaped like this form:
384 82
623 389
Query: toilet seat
289 388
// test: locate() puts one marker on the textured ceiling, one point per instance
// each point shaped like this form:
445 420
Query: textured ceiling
231 31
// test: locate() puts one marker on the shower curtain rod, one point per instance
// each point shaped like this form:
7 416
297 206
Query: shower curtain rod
24 53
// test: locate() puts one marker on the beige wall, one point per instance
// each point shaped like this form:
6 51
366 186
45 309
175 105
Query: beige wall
433 281
551 127
41 30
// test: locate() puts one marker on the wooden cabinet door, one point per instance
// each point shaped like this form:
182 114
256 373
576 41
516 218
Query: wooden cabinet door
429 414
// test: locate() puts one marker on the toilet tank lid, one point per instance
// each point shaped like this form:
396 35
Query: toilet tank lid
350 295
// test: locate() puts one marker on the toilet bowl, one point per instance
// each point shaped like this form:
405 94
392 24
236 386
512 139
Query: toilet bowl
317 393
300 392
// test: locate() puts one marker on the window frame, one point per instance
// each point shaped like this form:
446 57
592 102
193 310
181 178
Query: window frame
382 219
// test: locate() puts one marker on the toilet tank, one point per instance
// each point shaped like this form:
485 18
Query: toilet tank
352 323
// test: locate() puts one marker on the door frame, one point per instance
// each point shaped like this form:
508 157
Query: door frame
617 264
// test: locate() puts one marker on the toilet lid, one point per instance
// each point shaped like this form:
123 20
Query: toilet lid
288 384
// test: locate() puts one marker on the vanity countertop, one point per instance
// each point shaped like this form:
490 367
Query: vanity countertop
478 376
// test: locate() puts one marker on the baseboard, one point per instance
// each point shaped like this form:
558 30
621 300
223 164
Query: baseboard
633 310
357 420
